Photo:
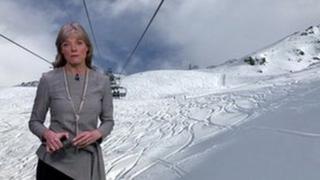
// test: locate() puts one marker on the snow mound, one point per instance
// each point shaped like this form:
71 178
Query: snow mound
169 83
166 83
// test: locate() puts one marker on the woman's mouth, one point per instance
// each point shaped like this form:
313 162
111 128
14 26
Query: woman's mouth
74 56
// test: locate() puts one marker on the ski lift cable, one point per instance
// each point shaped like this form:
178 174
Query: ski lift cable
141 37
91 29
26 49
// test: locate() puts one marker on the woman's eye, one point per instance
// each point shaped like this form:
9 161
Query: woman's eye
65 45
80 42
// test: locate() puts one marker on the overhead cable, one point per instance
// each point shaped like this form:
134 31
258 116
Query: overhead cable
141 37
26 49
91 29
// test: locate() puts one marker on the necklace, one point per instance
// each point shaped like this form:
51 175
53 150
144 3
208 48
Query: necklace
83 97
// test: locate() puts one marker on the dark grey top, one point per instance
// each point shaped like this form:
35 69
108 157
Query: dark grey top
82 164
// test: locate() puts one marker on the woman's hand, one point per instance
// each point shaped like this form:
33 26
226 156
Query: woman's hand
53 140
86 138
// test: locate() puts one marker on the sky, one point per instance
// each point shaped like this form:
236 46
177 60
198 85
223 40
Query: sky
198 32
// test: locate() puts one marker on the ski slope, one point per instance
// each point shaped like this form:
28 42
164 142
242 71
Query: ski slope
230 122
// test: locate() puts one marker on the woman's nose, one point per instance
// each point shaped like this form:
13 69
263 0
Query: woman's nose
73 47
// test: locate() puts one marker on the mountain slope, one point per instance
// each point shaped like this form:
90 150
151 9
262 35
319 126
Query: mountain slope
293 53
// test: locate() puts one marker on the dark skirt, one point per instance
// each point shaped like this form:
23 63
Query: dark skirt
46 172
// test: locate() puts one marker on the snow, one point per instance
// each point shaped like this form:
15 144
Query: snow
163 84
280 144
228 122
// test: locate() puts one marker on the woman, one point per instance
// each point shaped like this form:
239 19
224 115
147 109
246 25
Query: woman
76 96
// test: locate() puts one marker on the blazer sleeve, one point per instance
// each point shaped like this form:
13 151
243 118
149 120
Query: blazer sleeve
40 109
106 115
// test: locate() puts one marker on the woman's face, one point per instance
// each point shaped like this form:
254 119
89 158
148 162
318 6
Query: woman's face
74 50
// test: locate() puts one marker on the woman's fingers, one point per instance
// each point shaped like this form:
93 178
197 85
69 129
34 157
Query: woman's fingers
86 138
48 149
82 139
54 140
63 135
54 144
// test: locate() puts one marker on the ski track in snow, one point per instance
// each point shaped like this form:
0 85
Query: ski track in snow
149 133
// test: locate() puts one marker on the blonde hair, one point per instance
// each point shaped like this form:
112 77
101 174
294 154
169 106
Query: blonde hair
65 31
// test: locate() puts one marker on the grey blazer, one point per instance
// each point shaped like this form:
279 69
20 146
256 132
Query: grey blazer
82 164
